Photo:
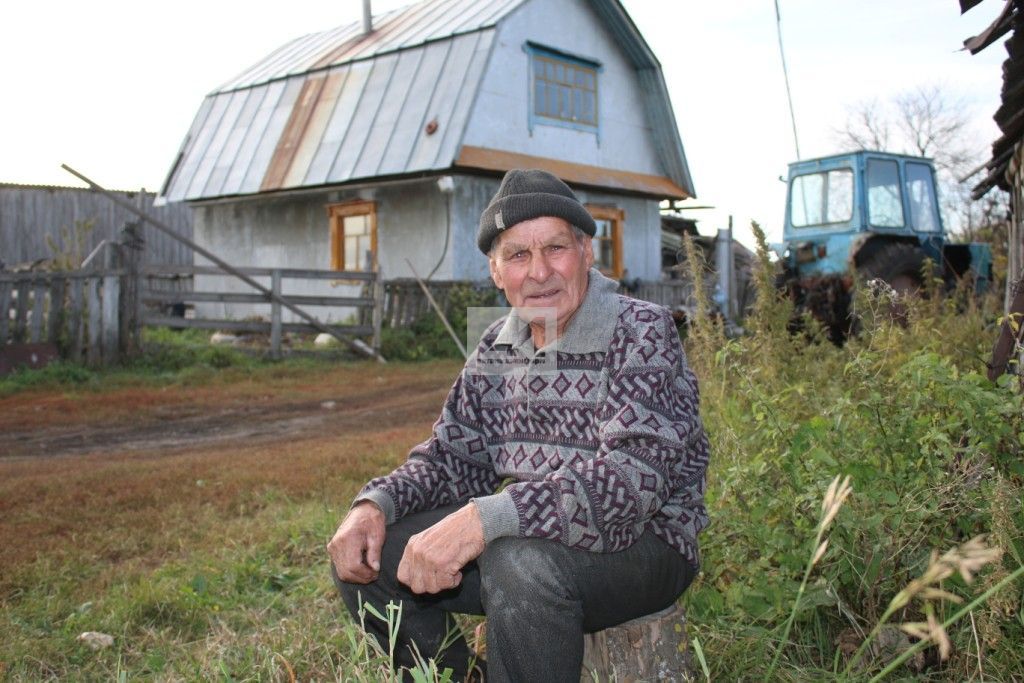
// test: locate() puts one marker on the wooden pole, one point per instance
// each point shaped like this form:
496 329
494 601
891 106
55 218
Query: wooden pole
357 345
275 315
430 298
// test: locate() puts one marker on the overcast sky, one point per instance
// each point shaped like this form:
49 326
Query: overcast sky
111 86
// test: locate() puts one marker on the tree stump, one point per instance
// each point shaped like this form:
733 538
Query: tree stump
651 648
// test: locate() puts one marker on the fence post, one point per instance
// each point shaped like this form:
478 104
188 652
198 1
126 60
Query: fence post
5 310
56 319
111 324
92 303
38 309
21 314
131 287
275 313
76 313
378 309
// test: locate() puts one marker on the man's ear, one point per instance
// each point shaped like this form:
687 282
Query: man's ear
495 273
588 249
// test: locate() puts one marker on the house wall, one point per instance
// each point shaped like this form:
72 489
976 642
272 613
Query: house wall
294 232
500 116
412 219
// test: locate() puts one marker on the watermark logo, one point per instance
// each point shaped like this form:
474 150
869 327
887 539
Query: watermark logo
514 349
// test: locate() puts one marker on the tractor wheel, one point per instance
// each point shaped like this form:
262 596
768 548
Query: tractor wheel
897 263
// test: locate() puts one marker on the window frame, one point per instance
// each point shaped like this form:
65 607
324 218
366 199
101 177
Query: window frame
824 198
534 52
337 213
900 188
617 218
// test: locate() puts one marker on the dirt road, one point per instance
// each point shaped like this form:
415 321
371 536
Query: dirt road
128 471
254 411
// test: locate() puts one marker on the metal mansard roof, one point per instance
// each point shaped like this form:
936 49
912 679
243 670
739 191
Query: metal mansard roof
337 105
341 105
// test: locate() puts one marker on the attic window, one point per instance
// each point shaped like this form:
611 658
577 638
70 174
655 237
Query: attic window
563 89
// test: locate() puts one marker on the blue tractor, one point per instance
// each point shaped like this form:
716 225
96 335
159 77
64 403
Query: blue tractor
867 215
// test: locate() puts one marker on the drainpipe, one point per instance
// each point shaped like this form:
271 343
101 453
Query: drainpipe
367 18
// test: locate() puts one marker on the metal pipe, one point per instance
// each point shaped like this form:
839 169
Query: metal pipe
355 344
367 17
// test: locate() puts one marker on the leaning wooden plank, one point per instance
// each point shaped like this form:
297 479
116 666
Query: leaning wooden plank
110 321
55 321
21 314
76 320
6 289
92 303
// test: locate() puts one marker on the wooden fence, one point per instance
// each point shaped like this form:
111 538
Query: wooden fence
405 302
158 301
77 311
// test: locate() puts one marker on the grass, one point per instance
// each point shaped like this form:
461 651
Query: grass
209 564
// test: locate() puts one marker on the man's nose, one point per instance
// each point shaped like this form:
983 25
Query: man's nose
540 269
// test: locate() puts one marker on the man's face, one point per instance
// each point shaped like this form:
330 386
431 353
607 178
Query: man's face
540 264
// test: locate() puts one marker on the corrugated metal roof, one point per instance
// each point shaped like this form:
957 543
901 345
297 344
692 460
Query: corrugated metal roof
341 105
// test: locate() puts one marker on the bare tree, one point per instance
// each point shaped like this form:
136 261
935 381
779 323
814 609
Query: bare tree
928 121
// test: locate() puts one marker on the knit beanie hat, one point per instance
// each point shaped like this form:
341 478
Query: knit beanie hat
524 195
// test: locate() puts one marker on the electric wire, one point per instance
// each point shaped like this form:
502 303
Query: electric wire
785 74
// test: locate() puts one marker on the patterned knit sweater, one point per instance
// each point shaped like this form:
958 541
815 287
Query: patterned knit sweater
593 452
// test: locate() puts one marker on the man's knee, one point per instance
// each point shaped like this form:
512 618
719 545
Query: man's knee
523 570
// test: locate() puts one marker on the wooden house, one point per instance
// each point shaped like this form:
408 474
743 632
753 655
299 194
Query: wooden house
381 141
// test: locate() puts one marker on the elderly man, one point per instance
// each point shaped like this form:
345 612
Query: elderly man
591 422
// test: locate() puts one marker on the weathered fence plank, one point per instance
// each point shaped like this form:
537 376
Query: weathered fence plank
6 289
76 328
256 326
55 321
21 316
109 318
38 312
94 313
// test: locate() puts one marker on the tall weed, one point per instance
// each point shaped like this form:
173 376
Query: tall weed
903 409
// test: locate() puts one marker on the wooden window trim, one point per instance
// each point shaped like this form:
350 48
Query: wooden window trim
618 219
337 213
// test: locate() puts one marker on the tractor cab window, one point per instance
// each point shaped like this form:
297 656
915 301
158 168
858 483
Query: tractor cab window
885 200
822 198
921 191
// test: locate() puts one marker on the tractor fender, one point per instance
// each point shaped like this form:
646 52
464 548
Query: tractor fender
866 245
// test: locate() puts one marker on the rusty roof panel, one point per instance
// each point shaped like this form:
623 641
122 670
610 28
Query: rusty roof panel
315 128
291 137
337 128
243 159
271 134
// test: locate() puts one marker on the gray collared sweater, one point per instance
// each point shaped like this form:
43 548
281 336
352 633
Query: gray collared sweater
596 450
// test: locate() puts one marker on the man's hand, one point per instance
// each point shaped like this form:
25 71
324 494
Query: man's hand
434 558
355 548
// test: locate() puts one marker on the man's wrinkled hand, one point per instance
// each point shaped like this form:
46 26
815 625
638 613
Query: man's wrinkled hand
355 548
434 558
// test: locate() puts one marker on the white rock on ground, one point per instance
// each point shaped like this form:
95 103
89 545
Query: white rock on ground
96 640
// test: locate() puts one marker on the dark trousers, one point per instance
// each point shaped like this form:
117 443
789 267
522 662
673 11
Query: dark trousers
539 596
